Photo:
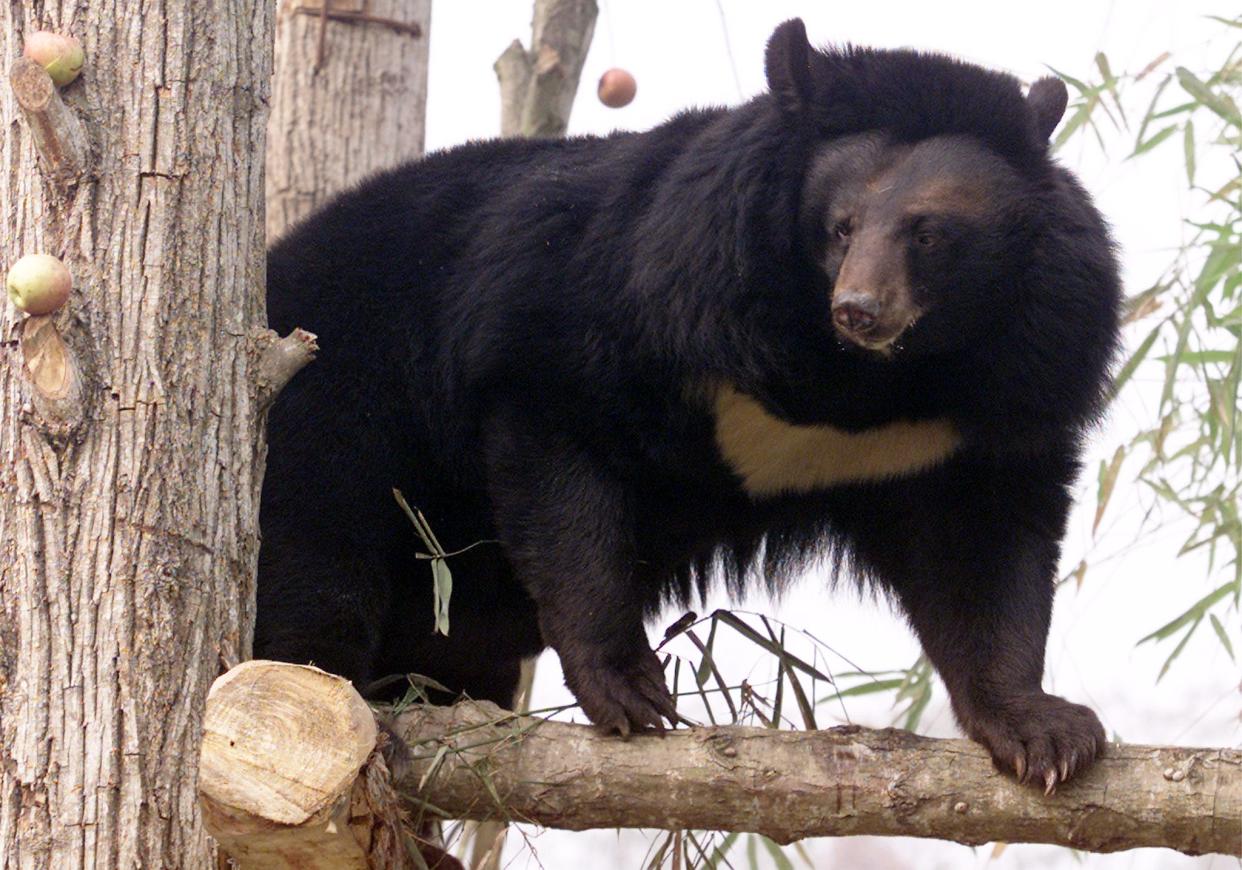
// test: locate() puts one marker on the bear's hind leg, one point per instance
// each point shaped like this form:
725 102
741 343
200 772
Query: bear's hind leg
314 609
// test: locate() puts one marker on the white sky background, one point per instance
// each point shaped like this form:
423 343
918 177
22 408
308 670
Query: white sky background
677 51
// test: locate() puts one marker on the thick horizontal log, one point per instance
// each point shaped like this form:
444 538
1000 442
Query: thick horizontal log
285 748
789 785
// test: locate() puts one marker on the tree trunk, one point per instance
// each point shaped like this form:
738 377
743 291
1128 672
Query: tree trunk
130 442
475 761
537 87
349 98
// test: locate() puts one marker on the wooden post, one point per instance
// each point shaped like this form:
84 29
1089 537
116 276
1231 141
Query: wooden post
349 98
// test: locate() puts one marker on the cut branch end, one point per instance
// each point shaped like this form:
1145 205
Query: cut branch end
281 359
53 371
57 133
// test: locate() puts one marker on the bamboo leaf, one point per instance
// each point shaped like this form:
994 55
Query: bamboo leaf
420 524
1193 614
778 698
1079 574
1170 368
1220 633
779 858
1143 147
442 578
1228 22
1179 109
682 624
707 665
1222 105
1101 63
1149 115
804 706
1080 116
1177 650
1188 151
866 689
434 767
914 714
1132 363
1110 83
1147 70
1223 260
657 860
1107 482
759 640
718 854
1079 86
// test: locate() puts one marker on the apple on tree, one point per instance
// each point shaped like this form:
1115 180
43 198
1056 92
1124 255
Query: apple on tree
57 53
38 284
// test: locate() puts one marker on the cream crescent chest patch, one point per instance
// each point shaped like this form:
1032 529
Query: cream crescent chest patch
774 457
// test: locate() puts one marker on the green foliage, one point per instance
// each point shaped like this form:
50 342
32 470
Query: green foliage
1187 455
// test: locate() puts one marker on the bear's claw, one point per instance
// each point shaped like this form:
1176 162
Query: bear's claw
1040 738
620 700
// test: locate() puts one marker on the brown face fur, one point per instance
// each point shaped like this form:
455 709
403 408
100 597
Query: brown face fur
888 216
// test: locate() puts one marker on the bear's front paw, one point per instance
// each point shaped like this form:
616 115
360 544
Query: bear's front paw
620 698
1040 738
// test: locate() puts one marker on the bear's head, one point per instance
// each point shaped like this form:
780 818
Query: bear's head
921 203
916 239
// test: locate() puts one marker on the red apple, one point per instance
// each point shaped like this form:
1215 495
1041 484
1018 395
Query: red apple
617 88
39 284
60 55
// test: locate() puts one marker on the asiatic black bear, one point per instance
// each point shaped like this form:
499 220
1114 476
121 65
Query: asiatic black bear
864 314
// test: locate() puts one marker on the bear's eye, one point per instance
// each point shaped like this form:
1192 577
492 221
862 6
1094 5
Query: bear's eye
925 238
842 230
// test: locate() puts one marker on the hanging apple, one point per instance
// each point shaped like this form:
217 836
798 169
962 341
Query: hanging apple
617 88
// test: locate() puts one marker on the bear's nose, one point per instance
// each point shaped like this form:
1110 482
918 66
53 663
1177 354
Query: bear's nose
856 312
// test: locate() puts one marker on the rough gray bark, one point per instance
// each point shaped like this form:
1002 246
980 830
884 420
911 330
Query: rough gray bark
349 98
130 455
537 86
787 785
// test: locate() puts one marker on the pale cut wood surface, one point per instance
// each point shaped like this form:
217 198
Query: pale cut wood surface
290 775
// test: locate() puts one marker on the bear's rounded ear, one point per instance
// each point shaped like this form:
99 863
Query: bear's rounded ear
1047 99
787 64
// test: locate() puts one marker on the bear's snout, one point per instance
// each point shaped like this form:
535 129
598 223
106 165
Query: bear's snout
856 313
